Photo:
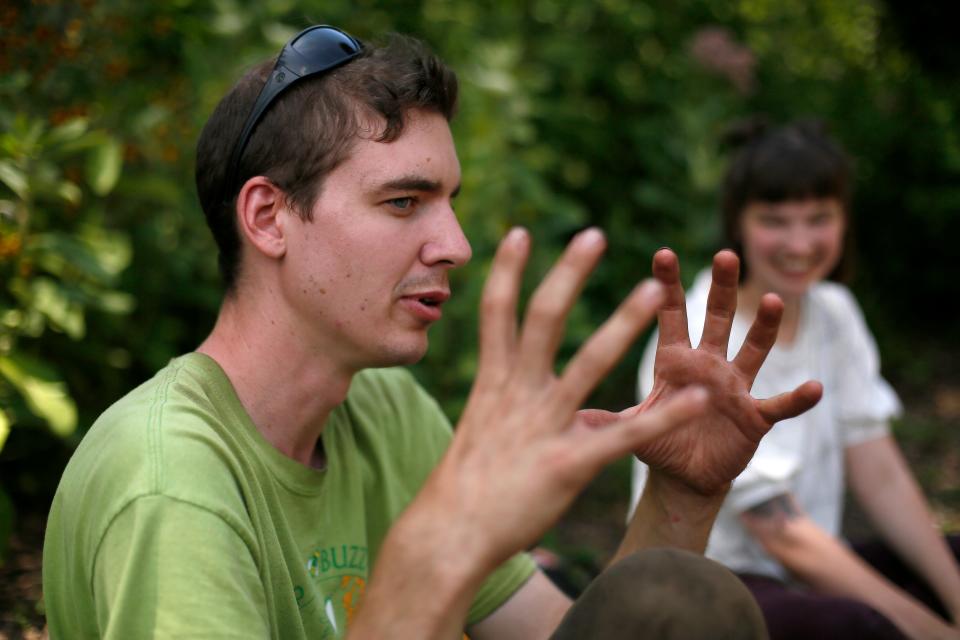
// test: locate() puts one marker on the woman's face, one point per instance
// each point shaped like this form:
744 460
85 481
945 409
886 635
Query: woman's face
788 246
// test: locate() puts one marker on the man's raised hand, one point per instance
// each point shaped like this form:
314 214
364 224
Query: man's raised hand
521 451
707 453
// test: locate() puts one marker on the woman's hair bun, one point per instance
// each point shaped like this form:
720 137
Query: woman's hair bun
742 132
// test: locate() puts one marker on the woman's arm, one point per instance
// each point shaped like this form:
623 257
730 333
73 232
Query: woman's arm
886 489
827 565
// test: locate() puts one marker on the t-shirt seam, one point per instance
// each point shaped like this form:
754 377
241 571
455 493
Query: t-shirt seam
154 423
156 494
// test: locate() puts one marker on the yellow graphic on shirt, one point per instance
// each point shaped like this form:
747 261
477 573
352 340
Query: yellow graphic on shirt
352 588
339 574
340 606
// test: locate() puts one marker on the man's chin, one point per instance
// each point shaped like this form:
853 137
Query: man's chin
401 355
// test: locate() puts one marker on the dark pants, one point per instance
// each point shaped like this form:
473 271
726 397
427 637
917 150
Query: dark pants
793 612
664 594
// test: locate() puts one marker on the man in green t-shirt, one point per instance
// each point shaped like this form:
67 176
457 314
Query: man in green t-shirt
280 482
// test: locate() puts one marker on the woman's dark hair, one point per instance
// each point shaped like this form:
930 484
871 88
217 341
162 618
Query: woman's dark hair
796 161
311 129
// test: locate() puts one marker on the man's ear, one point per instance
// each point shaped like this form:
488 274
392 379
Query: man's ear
259 207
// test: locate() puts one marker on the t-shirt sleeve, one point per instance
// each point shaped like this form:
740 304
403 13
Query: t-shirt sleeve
170 569
500 586
866 402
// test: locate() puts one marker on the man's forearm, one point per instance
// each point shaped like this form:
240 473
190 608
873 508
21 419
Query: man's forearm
423 582
670 515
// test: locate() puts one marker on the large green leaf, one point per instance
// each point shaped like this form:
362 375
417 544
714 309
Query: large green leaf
45 394
98 254
67 132
12 176
52 300
4 428
103 166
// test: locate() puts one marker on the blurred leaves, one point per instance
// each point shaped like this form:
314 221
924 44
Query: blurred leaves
45 394
573 113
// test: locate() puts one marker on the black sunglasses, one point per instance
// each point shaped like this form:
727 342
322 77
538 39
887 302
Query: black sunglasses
314 50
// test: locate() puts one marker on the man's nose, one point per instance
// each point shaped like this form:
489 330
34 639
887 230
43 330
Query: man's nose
447 244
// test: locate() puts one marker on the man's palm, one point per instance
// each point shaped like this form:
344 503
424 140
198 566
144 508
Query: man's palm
711 450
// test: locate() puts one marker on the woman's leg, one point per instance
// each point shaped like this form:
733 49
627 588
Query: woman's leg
888 563
798 614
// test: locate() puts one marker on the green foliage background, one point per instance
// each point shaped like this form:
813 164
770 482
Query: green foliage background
574 113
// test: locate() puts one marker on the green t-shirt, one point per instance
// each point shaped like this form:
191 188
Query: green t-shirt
176 518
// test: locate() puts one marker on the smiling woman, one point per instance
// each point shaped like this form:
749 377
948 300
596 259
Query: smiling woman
790 245
786 204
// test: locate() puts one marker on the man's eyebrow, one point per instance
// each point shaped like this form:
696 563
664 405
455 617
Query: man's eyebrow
416 183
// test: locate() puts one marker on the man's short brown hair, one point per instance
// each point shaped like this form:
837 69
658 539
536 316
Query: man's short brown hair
310 129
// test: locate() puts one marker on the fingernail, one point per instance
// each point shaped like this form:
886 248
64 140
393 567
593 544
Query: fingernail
516 235
590 236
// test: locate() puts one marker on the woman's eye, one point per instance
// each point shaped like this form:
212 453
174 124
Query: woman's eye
771 221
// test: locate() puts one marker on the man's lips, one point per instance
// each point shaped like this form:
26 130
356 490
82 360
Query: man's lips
425 305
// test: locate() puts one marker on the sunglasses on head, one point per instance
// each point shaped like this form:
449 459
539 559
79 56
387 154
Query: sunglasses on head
314 50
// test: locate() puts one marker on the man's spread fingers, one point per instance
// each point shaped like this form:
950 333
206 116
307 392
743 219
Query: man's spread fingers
792 403
672 316
498 306
760 338
628 435
608 344
721 303
547 310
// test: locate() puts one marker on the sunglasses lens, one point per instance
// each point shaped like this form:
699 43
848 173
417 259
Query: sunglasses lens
314 50
324 47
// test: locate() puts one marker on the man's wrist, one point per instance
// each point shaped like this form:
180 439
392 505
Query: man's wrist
671 514
432 521
683 498
423 581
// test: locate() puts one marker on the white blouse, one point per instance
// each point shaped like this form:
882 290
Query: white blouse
804 455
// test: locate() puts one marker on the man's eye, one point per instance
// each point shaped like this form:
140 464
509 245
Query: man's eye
401 203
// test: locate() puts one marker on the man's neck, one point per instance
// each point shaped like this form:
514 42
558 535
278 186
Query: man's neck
285 388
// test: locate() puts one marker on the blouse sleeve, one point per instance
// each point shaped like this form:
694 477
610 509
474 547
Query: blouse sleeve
866 403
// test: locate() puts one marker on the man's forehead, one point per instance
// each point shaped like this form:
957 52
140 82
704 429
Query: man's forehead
423 157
